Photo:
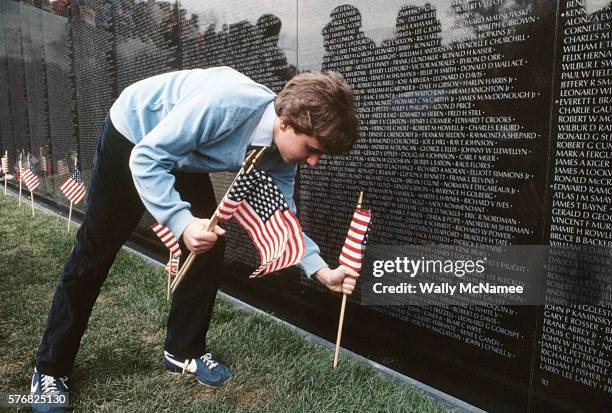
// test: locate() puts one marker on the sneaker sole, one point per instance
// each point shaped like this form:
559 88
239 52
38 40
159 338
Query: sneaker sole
212 386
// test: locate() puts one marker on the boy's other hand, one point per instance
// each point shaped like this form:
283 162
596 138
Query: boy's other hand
197 239
341 280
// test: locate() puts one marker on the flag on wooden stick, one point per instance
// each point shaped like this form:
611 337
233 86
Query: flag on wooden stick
261 210
29 176
31 180
351 256
74 190
353 248
74 187
252 159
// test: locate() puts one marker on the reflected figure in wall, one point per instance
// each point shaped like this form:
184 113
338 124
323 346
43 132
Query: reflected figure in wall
347 49
274 68
252 49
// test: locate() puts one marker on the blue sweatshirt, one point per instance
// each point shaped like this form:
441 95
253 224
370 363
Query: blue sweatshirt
199 120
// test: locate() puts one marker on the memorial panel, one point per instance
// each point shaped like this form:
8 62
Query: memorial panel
16 76
453 98
6 126
572 367
61 93
91 26
36 92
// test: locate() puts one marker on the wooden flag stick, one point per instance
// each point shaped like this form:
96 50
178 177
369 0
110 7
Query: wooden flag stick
249 163
32 198
20 166
343 307
340 326
5 175
69 217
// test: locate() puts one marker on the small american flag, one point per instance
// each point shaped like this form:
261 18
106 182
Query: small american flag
5 164
352 251
260 209
29 176
74 188
62 168
169 240
173 265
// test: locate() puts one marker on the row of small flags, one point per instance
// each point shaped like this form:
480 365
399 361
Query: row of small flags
39 167
254 201
73 188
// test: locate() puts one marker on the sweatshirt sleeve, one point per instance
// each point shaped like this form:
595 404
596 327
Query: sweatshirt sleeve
187 125
284 178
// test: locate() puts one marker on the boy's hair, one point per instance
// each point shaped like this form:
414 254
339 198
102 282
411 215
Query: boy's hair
320 105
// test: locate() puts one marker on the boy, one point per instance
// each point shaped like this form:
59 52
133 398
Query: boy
161 139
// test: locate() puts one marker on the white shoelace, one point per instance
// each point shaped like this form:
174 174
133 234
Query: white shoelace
210 363
190 364
49 384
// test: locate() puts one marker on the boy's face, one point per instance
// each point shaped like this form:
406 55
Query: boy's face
296 147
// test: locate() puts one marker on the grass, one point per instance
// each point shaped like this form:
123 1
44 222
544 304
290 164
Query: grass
119 369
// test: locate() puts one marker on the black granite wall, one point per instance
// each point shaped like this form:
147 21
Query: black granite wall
483 122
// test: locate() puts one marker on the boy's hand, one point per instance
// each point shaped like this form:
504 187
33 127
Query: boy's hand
341 280
198 240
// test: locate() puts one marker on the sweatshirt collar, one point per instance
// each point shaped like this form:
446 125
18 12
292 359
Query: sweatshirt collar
262 135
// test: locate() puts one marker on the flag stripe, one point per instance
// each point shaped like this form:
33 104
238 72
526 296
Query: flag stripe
248 210
227 209
167 238
352 250
5 165
246 225
295 251
31 180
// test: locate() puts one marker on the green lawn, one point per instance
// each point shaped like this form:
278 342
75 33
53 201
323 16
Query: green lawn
119 365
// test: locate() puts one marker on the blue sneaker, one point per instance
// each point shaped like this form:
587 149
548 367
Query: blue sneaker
206 370
50 393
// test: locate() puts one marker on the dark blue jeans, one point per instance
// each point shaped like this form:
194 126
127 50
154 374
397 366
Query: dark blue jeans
113 210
